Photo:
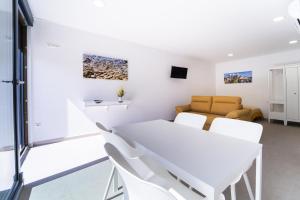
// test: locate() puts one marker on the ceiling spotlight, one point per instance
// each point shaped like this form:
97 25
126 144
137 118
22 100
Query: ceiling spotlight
99 3
230 55
293 41
278 19
294 9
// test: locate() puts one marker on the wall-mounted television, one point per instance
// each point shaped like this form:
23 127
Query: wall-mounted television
179 72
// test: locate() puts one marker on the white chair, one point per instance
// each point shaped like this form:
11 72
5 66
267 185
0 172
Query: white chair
242 130
126 149
102 127
144 178
191 119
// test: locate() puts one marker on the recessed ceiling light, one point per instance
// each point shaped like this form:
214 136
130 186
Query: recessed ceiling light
278 19
99 3
293 41
230 55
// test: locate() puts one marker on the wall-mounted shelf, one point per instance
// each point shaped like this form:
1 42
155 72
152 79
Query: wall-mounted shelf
106 104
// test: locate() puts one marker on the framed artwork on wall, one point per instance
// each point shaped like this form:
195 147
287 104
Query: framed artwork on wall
99 67
238 77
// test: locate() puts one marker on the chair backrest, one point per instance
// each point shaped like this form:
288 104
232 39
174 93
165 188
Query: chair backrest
130 153
244 130
122 145
137 187
102 127
191 119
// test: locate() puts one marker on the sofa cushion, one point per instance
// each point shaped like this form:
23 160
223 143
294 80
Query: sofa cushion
255 113
201 103
222 105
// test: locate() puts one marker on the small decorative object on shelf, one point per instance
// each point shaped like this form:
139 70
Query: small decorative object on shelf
120 93
98 100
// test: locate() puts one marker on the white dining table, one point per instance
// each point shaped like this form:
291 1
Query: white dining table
206 161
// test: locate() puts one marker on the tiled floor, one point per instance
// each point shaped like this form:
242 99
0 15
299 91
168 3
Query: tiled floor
3 194
85 184
281 164
48 160
7 171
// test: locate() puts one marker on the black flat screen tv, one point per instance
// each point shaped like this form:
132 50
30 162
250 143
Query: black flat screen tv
179 72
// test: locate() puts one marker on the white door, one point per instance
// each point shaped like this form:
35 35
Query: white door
292 89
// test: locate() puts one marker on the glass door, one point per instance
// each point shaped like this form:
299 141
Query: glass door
21 87
20 100
8 156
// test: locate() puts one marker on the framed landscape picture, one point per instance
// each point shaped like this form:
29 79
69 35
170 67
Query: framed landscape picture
99 67
238 77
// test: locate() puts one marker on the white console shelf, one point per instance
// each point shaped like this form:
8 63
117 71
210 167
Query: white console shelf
106 104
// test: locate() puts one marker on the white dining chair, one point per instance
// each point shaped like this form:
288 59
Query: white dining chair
102 127
191 119
144 178
126 149
243 130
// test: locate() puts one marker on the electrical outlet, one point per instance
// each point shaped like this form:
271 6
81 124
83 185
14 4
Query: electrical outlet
37 124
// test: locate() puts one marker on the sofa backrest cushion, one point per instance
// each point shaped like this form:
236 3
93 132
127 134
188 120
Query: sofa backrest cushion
222 105
201 104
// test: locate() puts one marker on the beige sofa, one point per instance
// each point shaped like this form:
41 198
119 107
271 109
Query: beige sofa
216 106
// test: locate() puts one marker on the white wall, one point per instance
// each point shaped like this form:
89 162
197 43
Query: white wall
6 73
58 88
255 93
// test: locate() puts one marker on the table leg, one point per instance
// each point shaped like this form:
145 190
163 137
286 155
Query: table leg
258 176
212 195
111 177
116 182
233 192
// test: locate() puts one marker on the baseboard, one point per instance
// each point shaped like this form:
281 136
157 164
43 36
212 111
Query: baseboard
56 140
16 190
24 154
64 173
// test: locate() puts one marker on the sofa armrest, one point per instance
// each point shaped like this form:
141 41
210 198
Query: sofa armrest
184 108
243 114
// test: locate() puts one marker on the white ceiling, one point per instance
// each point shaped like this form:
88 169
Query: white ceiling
206 29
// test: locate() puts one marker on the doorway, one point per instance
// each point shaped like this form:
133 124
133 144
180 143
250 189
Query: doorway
10 177
21 74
